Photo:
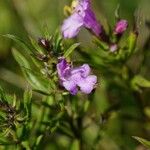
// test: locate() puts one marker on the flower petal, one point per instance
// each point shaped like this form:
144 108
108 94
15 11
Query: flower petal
72 25
91 23
84 70
121 26
81 6
87 85
84 3
71 87
76 77
63 68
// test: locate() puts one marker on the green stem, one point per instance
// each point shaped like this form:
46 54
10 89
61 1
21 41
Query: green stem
76 125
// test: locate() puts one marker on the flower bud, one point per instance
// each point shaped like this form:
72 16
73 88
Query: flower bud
121 26
113 48
42 57
44 43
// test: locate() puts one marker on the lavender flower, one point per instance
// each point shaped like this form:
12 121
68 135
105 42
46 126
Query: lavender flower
121 26
73 78
82 16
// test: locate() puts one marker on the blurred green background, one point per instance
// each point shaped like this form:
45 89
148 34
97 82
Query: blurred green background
28 17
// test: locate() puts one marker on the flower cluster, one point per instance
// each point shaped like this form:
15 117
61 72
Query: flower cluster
82 16
76 78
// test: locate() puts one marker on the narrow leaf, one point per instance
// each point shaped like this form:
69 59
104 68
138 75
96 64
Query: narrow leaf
71 49
36 46
144 142
104 46
27 102
19 41
37 81
132 42
139 81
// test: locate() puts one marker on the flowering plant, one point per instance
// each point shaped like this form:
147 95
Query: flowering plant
78 93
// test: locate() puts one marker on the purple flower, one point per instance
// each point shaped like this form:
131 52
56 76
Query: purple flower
121 26
82 16
74 78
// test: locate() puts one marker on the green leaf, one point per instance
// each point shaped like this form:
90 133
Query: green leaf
38 140
26 145
36 46
2 116
46 32
2 95
101 44
131 43
53 129
26 47
19 41
5 142
66 131
139 81
27 102
71 49
75 145
36 62
37 81
27 96
20 59
128 49
144 142
56 40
